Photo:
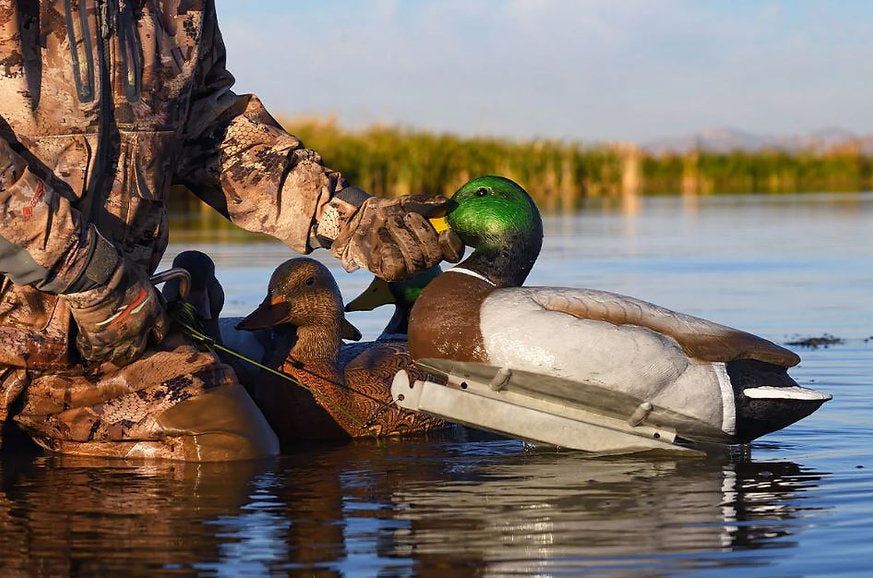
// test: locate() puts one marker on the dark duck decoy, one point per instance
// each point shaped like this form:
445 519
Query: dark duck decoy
206 297
732 384
205 293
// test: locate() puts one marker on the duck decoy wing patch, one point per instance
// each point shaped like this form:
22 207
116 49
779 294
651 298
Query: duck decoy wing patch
698 337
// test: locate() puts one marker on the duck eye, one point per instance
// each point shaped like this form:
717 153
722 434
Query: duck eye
481 192
310 280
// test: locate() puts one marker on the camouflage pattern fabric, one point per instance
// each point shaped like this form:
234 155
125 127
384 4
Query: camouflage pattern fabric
106 104
119 320
123 411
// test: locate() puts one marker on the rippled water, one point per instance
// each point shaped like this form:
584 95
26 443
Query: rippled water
797 502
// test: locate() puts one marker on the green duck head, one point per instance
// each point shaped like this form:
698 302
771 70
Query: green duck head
499 220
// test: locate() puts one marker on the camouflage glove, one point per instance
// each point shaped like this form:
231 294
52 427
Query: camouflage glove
117 321
392 238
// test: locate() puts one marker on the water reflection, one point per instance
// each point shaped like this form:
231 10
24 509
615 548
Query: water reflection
462 501
65 516
547 512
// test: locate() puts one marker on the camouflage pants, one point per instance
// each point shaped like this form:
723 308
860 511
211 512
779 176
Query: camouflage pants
175 402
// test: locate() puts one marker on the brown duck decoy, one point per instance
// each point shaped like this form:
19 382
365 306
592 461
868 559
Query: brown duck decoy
348 387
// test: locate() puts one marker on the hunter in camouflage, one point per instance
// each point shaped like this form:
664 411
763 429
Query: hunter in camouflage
105 105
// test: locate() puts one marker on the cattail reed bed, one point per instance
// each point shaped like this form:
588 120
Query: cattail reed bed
391 161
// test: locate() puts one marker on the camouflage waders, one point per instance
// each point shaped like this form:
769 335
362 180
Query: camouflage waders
149 408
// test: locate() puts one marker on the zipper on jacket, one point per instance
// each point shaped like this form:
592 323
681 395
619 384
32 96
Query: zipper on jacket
100 181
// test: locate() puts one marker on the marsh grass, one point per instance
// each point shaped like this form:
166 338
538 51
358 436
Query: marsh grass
392 161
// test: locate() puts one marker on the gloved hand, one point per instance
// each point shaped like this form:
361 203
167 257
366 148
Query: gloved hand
392 238
118 320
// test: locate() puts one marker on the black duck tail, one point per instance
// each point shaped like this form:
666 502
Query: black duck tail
768 399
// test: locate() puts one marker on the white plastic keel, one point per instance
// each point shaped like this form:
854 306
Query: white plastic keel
534 419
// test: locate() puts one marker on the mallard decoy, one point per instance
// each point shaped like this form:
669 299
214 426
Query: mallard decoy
401 294
732 385
348 388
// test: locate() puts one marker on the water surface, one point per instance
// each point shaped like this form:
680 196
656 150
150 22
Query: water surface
796 502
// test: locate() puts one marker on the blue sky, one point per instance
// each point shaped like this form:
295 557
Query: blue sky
585 70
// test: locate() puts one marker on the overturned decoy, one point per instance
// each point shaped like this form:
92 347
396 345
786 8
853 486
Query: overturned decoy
641 375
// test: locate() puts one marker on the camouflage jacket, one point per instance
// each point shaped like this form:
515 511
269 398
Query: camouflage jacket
105 105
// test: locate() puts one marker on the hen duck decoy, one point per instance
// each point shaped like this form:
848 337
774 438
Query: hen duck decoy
580 347
401 294
348 392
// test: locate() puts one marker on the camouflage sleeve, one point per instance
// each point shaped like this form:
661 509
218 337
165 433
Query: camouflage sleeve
240 161
44 241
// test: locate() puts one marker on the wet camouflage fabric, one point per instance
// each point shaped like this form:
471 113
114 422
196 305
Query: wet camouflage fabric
114 411
105 105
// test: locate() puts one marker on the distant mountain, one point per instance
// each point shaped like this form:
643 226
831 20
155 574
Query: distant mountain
724 140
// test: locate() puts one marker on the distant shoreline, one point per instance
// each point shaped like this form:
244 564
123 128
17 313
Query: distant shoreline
391 161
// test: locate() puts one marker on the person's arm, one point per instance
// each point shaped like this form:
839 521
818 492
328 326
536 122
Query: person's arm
240 161
45 242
